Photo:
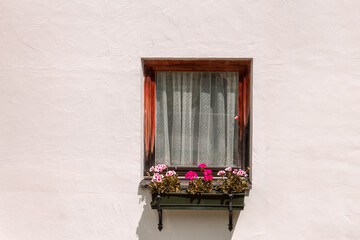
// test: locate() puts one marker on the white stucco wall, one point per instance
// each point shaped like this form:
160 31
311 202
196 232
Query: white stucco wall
71 102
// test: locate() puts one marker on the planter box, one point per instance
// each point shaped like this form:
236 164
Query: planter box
205 201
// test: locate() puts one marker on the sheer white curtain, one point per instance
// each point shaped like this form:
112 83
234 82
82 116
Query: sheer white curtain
195 118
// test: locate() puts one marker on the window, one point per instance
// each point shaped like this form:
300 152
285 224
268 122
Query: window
197 111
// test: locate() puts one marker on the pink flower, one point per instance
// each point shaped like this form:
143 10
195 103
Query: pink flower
156 175
208 178
152 169
228 169
202 165
207 172
236 117
160 168
221 173
170 173
235 170
191 175
242 173
157 178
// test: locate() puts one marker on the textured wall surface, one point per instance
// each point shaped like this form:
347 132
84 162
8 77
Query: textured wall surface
71 103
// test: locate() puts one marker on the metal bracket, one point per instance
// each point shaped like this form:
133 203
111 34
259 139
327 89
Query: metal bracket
159 210
230 209
230 212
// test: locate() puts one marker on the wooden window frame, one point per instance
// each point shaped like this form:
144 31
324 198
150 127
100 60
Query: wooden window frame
242 66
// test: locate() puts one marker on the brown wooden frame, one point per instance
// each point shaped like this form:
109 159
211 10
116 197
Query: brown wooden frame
242 66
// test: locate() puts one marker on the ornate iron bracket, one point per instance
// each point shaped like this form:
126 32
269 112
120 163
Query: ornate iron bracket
230 212
159 210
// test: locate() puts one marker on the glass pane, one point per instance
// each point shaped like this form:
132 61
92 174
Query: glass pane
195 118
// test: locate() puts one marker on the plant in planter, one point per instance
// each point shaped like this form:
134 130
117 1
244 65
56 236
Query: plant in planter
167 194
233 181
163 183
202 184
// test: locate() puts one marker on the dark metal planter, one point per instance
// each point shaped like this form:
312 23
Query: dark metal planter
205 201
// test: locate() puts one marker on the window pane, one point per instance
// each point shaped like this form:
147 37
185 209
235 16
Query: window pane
195 118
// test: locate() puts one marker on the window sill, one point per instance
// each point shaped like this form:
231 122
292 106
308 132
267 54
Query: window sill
184 183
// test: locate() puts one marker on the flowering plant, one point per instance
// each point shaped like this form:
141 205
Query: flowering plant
163 183
200 185
236 180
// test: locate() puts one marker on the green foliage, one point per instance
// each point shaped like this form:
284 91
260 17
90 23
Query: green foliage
199 185
167 185
233 184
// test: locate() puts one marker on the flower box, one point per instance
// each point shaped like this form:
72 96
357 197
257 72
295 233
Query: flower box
204 201
200 193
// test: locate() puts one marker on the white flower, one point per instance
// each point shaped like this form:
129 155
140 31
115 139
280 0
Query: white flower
157 178
235 170
242 173
170 173
228 169
160 167
154 179
152 169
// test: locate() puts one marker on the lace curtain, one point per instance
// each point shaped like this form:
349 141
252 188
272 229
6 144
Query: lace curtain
195 118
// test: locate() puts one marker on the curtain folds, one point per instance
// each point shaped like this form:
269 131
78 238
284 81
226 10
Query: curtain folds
195 118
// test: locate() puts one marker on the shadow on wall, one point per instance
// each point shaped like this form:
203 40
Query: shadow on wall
183 224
